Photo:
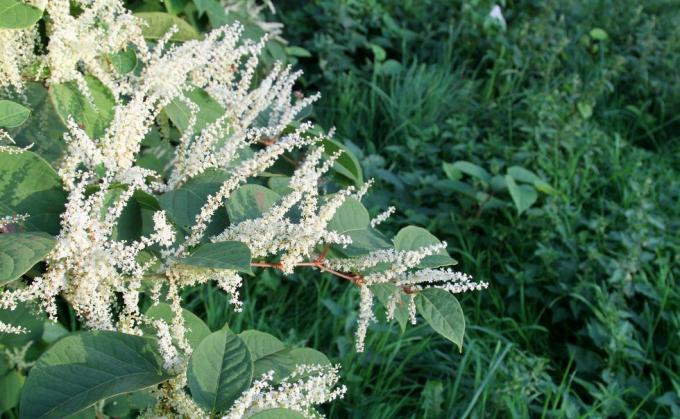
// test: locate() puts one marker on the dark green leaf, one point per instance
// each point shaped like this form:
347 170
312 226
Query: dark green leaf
220 369
351 215
184 204
20 251
443 313
221 255
29 185
347 164
12 114
523 196
93 116
473 170
209 110
196 329
260 344
79 370
10 388
414 238
249 202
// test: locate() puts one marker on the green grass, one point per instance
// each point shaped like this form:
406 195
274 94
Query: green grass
582 315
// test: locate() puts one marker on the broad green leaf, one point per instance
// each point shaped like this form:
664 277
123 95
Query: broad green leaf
443 313
43 130
414 238
196 329
260 344
221 255
284 362
363 242
10 389
52 332
249 202
27 316
95 115
523 196
220 369
308 356
347 164
159 23
521 174
599 34
451 171
351 215
184 204
473 170
15 14
82 369
29 185
124 61
294 51
12 114
278 413
20 251
209 110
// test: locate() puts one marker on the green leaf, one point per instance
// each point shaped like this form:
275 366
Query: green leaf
351 215
523 196
220 369
347 164
197 330
20 251
221 255
209 110
451 171
443 313
473 170
414 238
521 174
10 389
284 362
184 204
15 14
29 185
278 413
124 61
82 369
27 316
159 23
260 344
294 51
363 242
43 130
94 116
599 34
12 114
249 202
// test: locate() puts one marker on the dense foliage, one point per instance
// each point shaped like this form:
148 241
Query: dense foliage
154 150
536 138
441 102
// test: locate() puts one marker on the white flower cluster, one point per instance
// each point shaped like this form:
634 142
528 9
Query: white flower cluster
307 386
103 27
16 55
10 329
87 265
276 234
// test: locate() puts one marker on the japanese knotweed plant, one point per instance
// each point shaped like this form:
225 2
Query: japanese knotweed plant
181 163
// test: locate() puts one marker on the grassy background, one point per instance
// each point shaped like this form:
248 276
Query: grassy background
582 317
